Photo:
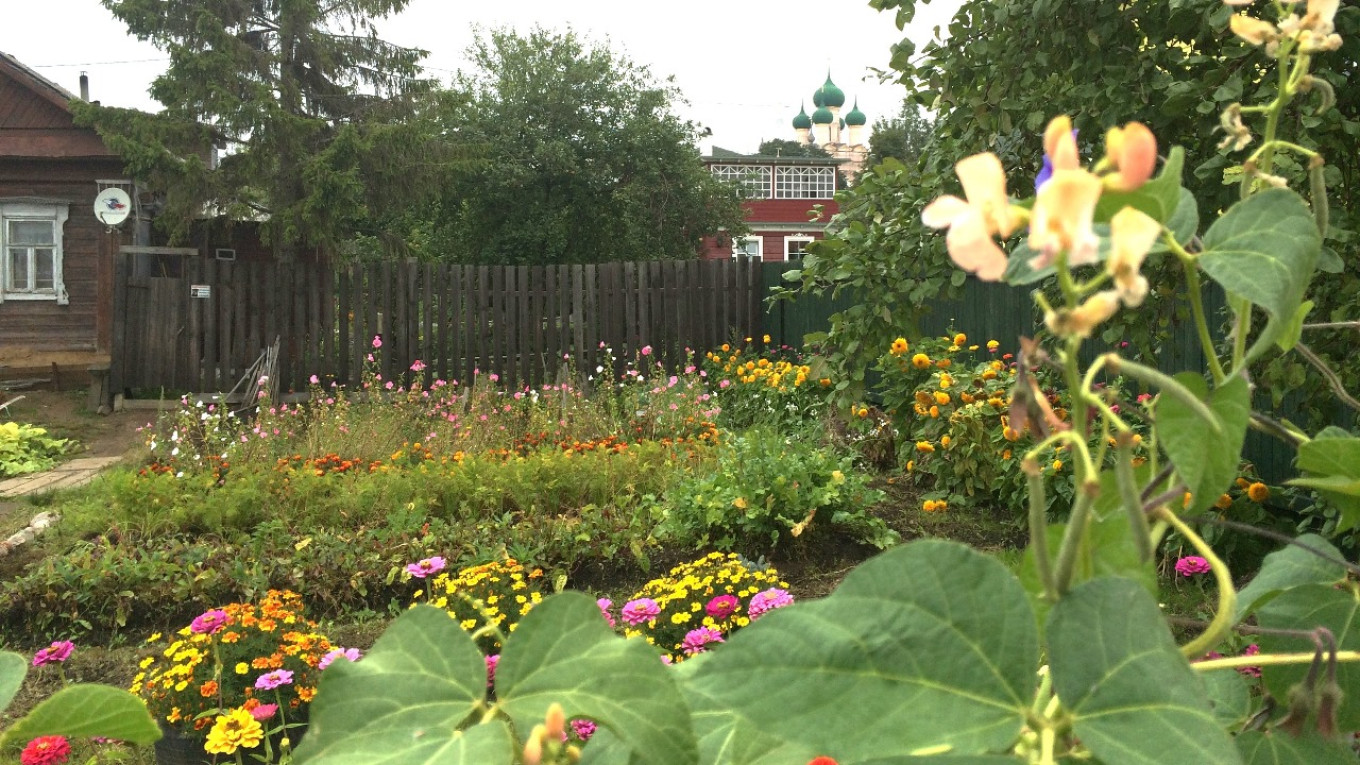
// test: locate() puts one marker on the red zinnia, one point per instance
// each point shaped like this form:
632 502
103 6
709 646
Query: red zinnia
46 750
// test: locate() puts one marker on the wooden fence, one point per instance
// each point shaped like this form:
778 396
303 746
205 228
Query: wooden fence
202 328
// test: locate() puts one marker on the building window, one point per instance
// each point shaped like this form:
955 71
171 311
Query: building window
749 247
30 238
795 246
754 180
805 183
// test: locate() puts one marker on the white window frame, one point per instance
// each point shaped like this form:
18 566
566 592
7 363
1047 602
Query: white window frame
753 180
739 251
788 240
54 213
802 182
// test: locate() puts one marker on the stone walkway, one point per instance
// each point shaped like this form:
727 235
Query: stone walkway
77 472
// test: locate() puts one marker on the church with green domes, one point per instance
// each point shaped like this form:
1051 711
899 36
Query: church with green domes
840 136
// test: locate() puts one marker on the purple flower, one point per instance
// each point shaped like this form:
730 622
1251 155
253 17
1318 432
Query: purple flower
722 606
426 567
1046 172
768 600
491 662
636 612
353 654
583 729
59 651
209 622
271 680
696 641
1191 565
605 604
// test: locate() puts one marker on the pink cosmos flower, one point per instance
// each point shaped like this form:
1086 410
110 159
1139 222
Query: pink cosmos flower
1191 565
209 622
426 567
264 712
722 606
271 680
974 221
352 654
698 640
59 651
768 600
636 612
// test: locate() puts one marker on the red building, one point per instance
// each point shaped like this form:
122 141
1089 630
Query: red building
789 201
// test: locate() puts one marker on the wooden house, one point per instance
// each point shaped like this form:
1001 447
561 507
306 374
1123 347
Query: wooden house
780 195
56 257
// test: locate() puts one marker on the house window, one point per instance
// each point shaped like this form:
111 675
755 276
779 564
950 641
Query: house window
754 180
795 246
805 183
748 247
30 240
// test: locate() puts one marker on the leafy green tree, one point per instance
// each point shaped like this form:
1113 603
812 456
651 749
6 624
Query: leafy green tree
591 161
783 147
318 121
902 136
1167 66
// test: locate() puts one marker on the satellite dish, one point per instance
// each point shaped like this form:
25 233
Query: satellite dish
112 206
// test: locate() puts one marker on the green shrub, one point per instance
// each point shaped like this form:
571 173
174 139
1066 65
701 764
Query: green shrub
766 486
28 449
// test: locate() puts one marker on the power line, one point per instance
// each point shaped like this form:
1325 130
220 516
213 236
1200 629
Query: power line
101 63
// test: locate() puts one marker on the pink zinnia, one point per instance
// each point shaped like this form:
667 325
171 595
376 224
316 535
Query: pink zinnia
264 712
636 612
271 680
646 350
1250 650
59 651
491 662
209 622
352 654
426 567
605 604
46 750
377 341
1191 565
697 641
722 606
768 600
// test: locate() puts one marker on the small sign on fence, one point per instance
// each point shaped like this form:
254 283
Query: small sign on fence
200 291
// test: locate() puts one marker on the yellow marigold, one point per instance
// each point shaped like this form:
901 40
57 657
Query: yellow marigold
911 465
993 345
899 346
943 363
946 380
862 412
925 447
1187 500
928 506
1258 492
966 397
1243 483
942 398
934 411
726 347
960 339
739 503
1006 454
1223 502
1011 434
1057 465
944 442
765 338
920 361
989 374
825 382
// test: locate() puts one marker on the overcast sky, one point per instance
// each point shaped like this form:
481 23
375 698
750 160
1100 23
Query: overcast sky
743 65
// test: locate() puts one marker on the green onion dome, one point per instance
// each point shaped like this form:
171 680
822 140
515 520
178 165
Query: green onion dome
855 117
832 95
802 121
822 116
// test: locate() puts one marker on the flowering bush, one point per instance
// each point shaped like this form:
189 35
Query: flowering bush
758 385
241 656
700 603
486 600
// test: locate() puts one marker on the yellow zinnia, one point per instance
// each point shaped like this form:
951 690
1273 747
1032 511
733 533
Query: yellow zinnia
920 361
1258 492
234 730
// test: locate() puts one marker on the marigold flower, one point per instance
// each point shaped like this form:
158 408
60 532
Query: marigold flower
960 339
1223 502
899 346
1132 152
920 361
1062 215
1132 234
1191 565
992 345
1258 492
46 750
944 363
928 506
973 222
944 442
942 398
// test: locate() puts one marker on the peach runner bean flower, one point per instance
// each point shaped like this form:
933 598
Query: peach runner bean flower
973 222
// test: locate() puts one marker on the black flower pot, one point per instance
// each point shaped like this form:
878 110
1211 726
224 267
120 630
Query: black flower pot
178 748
